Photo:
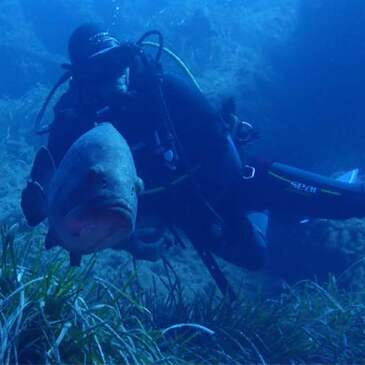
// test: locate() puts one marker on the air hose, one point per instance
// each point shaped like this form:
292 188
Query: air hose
37 124
160 44
178 61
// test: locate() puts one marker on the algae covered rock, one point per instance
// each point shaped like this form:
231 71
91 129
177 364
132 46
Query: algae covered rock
53 21
317 249
24 61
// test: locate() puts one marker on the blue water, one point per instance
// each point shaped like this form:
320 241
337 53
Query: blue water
320 101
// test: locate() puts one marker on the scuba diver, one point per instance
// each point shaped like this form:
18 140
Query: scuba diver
186 152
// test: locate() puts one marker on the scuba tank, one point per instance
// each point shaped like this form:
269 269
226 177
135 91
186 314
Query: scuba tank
165 137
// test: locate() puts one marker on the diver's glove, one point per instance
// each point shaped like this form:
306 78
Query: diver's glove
148 244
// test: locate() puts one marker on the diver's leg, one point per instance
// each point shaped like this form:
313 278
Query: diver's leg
242 238
217 220
242 244
219 171
286 189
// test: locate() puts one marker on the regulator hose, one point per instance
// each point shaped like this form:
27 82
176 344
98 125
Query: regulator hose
178 61
37 123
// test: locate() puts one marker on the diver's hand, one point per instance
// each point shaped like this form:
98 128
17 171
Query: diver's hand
149 244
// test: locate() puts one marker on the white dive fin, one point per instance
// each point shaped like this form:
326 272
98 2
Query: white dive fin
260 220
351 176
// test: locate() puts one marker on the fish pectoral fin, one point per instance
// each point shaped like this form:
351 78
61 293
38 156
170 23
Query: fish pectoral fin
43 166
50 240
33 203
75 259
33 199
139 185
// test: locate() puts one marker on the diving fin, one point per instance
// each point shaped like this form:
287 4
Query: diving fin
260 220
350 177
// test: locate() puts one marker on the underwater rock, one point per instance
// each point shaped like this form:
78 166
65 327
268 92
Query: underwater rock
13 166
53 21
24 61
185 270
318 94
315 250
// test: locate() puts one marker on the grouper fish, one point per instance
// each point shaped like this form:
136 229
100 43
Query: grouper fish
91 199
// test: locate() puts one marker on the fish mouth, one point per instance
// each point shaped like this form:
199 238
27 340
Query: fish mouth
97 225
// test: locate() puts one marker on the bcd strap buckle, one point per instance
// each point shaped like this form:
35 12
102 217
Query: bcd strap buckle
248 172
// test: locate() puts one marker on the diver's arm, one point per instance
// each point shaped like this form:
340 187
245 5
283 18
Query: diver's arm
193 115
68 125
279 187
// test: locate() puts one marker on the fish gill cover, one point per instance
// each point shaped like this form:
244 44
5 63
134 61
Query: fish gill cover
297 71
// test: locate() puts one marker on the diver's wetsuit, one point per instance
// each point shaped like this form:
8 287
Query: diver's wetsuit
218 188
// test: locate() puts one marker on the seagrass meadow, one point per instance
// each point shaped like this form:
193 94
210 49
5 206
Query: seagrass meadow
54 314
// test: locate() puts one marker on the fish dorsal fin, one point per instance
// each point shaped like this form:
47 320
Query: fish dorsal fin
43 166
33 203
